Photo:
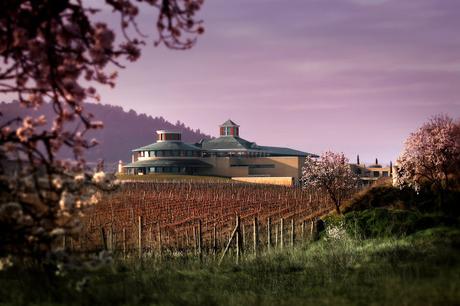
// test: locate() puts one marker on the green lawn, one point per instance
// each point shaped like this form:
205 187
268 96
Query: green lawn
418 269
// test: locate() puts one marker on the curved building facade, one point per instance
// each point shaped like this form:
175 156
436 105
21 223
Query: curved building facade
229 155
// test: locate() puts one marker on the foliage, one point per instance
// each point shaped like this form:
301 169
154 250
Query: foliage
55 52
382 222
431 155
330 174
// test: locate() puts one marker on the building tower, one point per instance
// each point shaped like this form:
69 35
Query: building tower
163 136
229 128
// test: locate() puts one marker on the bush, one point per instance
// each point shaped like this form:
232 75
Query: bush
383 222
383 194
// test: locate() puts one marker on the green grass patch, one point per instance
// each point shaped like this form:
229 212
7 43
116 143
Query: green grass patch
422 268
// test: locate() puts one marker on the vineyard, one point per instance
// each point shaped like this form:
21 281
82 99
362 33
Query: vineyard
156 219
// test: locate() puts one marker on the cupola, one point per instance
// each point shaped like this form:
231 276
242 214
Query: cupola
163 135
229 128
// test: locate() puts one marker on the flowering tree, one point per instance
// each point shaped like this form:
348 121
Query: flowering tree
332 174
54 51
430 155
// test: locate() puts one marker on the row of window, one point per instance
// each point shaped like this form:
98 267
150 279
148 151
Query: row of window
159 170
169 136
169 153
181 153
235 154
374 173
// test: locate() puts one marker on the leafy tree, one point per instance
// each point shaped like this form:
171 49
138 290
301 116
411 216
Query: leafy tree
431 156
54 51
332 174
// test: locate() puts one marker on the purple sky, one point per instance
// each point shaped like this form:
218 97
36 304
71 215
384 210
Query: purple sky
355 76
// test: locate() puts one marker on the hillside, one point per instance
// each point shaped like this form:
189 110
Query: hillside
123 130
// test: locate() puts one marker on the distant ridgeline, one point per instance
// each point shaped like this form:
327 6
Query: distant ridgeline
122 130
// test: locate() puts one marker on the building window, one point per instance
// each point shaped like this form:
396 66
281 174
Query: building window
385 173
376 174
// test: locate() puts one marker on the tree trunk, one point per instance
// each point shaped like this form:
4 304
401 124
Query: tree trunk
337 207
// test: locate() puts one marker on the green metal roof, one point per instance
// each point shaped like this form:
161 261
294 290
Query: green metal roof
195 163
228 143
232 143
168 145
279 151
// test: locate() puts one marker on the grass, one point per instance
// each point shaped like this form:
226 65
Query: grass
422 268
164 177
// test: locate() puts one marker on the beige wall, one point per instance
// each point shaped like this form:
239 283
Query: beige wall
221 167
285 166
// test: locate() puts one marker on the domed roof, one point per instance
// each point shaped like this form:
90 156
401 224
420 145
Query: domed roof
229 123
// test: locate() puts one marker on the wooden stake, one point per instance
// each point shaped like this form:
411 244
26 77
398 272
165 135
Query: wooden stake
312 230
103 239
276 235
242 236
139 236
282 234
256 235
195 239
239 240
124 242
214 240
160 248
292 232
200 239
302 231
269 233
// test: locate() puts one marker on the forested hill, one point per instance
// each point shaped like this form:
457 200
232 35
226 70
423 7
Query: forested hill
122 132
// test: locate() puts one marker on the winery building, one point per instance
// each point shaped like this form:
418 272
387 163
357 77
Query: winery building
228 155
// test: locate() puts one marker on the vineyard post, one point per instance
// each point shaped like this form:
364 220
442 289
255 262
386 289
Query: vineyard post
282 234
150 237
139 238
256 235
112 238
124 242
160 250
109 239
214 240
238 239
200 239
269 233
187 241
195 239
302 233
276 235
103 239
64 241
242 236
292 232
312 229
